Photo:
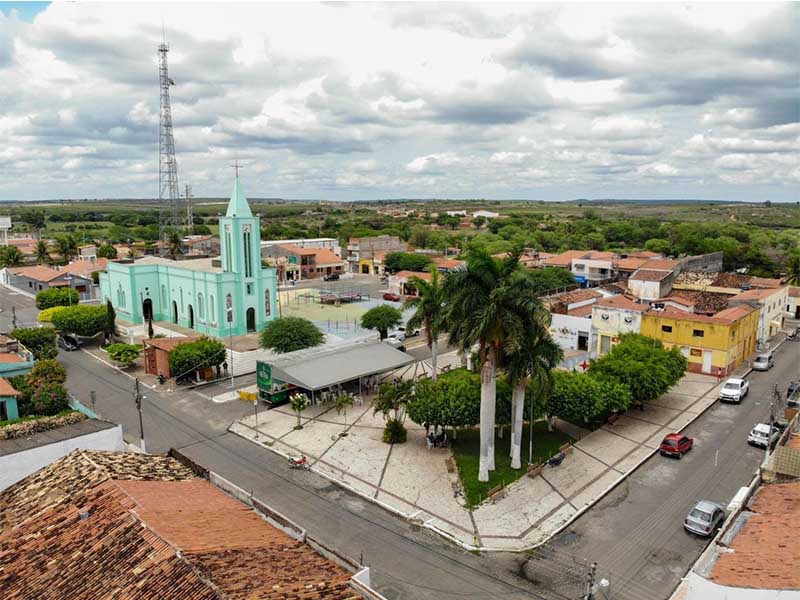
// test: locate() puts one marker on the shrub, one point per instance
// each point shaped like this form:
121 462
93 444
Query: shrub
126 354
289 334
50 399
46 371
46 316
56 297
580 397
39 340
82 320
191 357
394 432
406 261
31 425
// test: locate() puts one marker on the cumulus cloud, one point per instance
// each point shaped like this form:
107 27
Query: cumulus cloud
365 101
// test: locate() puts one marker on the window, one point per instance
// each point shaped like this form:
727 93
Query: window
604 316
579 267
248 263
249 288
163 295
212 316
30 284
180 293
200 309
698 333
267 304
666 328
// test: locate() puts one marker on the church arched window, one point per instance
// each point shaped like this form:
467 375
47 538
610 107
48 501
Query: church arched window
163 295
200 309
267 303
212 316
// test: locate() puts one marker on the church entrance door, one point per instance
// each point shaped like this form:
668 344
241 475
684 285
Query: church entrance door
251 319
174 312
147 309
191 317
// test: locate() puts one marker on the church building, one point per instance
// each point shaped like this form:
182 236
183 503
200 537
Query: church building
229 295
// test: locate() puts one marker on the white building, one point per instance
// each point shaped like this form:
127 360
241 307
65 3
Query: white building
328 243
771 303
486 214
793 303
571 313
594 266
456 213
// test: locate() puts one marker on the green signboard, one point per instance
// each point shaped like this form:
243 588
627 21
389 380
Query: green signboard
264 376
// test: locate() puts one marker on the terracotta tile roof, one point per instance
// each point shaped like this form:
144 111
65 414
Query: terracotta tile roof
756 294
170 343
648 275
324 256
630 263
406 274
677 300
763 553
794 292
661 264
704 302
581 311
730 280
574 296
765 282
644 254
447 263
621 302
10 357
725 317
600 255
85 268
565 258
293 249
105 525
6 389
37 272
734 313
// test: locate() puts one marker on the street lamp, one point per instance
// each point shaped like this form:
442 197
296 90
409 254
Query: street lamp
68 279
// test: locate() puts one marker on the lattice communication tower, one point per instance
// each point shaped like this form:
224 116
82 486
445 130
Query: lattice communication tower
168 194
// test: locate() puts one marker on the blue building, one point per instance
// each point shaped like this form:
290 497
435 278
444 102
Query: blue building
229 295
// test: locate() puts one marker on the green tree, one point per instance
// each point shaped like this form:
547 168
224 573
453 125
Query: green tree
125 354
488 303
298 401
42 252
110 325
41 341
428 307
107 251
81 319
174 244
641 364
658 245
342 403
582 398
34 218
452 401
288 334
549 278
191 357
46 315
46 371
406 261
58 296
793 268
391 400
49 399
11 256
381 318
67 246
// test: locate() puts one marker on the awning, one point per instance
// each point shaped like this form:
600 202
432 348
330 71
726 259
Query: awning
320 368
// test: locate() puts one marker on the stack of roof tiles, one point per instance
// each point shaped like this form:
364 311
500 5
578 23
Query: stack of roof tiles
99 525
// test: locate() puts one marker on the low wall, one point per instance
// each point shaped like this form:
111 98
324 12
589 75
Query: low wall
19 465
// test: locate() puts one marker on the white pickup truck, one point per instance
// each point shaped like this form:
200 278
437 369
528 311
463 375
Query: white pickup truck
734 390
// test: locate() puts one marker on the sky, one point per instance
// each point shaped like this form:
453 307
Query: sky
350 101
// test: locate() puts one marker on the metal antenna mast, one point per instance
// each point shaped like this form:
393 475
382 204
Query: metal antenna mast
168 194
189 214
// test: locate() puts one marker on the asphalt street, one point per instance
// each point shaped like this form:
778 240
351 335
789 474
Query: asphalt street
635 533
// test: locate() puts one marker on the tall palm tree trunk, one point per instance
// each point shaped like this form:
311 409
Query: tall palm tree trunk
434 368
488 397
513 412
516 419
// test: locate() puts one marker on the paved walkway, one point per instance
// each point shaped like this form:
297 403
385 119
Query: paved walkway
416 482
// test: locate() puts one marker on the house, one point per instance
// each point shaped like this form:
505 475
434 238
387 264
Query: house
456 213
310 262
445 264
722 283
126 525
653 279
530 258
37 278
8 401
399 282
156 354
793 303
26 245
360 251
331 244
85 269
771 302
486 214
588 266
755 556
87 252
571 318
201 244
15 363
713 345
613 316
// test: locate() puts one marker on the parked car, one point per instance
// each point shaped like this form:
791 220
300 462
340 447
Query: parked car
67 342
763 362
704 518
408 332
331 277
734 390
391 296
675 444
762 434
397 343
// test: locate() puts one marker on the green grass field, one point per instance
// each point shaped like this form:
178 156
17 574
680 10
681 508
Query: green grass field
466 450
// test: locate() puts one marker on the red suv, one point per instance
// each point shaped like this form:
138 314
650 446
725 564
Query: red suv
675 444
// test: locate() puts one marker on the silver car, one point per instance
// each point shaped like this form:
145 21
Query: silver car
704 518
763 362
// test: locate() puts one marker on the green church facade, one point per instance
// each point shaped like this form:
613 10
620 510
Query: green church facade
229 295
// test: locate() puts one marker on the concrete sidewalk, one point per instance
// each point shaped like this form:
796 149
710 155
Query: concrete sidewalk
415 482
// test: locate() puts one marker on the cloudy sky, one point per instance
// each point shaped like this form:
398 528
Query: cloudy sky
359 101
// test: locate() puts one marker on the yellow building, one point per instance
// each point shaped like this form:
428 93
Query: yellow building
713 345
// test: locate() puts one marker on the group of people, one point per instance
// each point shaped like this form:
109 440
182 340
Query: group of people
435 438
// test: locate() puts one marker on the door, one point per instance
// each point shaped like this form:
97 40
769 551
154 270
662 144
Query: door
191 317
685 351
605 344
174 312
706 361
797 311
583 340
147 309
251 319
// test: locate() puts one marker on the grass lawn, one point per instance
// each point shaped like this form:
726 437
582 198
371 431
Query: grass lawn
466 449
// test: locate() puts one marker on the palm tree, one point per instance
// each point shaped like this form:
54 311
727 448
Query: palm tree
489 303
11 256
428 308
42 252
67 246
793 268
175 244
536 359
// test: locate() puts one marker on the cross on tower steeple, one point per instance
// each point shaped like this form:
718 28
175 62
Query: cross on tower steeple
236 167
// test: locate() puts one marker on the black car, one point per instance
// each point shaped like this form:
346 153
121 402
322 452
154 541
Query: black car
331 277
67 342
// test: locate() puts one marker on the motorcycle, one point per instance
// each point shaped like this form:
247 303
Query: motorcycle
555 460
299 463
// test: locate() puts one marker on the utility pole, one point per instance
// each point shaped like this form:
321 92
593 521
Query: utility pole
13 317
589 590
769 435
137 396
93 400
